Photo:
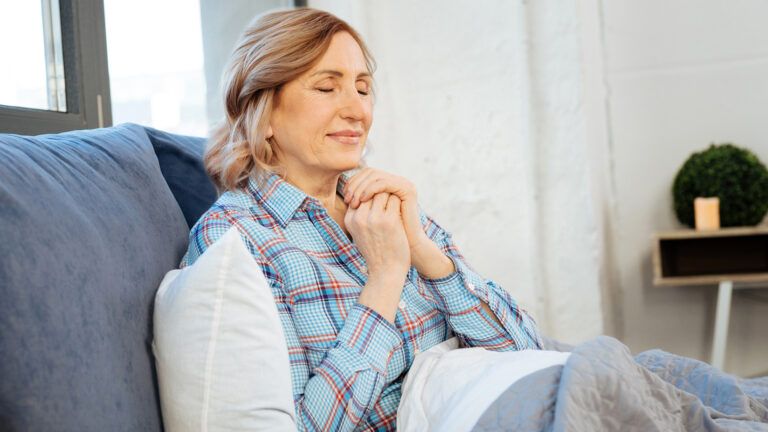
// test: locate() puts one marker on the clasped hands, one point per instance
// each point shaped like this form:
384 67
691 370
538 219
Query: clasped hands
383 218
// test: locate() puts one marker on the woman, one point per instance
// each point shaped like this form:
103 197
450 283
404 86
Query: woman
362 280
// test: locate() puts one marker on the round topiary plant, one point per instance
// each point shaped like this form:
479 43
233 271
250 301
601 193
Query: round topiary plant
733 174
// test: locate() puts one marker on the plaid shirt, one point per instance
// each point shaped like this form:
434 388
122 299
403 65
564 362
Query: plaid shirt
347 361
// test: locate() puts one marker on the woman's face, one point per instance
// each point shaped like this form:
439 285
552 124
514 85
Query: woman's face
321 119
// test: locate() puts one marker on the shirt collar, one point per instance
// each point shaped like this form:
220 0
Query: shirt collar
282 199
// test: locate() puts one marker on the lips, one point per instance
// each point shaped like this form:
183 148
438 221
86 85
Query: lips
351 137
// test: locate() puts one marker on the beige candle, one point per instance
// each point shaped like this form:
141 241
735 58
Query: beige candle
707 213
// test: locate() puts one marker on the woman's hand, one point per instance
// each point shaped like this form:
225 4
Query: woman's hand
426 256
377 230
368 182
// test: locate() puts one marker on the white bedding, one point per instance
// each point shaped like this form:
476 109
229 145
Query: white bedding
448 389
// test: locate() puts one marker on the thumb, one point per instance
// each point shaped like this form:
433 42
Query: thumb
348 215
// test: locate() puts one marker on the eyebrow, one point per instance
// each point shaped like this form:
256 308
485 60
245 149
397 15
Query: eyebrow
339 74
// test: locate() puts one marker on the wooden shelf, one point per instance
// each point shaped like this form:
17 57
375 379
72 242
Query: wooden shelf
721 257
722 232
690 257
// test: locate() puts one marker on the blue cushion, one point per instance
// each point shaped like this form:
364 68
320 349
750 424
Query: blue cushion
88 227
181 161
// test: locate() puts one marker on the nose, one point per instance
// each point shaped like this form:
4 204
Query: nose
354 106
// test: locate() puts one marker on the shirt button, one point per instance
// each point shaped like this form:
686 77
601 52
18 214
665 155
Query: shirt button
471 287
416 351
401 305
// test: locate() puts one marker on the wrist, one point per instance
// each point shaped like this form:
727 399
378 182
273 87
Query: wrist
421 249
430 261
382 294
387 278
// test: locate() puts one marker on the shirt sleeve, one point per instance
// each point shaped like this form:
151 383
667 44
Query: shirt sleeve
347 383
459 294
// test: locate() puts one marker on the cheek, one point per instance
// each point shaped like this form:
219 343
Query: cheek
319 118
369 114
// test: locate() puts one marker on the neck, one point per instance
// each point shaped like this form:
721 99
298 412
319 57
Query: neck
321 186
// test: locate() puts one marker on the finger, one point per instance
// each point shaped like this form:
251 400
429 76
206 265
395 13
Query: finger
350 212
379 203
391 184
361 212
393 205
353 197
355 182
372 185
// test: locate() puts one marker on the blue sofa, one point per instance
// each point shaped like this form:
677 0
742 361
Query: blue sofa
90 222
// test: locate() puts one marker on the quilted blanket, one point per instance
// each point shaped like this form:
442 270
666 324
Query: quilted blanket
601 387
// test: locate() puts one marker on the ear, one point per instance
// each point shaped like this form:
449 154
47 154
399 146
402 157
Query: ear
270 133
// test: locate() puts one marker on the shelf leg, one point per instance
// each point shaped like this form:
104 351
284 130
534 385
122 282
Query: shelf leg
722 316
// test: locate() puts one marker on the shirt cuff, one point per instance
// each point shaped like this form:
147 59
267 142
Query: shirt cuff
368 339
460 290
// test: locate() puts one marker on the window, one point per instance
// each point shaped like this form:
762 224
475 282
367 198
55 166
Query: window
37 78
54 76
156 64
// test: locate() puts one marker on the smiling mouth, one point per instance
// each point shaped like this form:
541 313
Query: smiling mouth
350 138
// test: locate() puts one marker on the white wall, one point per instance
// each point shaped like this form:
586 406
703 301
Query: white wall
681 74
483 106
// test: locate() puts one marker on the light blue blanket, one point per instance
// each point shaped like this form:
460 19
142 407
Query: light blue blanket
603 388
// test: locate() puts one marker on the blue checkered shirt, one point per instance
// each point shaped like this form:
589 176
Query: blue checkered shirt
347 361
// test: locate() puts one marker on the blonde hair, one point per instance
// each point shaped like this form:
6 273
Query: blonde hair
274 49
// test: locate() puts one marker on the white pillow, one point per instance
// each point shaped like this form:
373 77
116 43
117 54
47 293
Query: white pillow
222 360
449 389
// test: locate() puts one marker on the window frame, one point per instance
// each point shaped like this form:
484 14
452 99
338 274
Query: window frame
86 74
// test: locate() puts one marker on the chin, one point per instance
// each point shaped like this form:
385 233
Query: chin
345 163
345 168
